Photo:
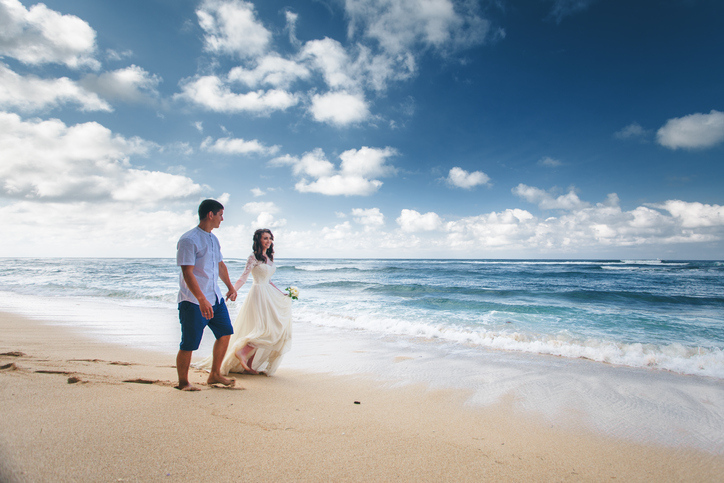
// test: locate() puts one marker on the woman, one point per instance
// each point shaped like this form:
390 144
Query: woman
263 328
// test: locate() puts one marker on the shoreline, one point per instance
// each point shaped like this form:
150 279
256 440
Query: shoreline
295 426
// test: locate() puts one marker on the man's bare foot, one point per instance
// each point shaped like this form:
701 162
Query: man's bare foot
187 386
242 354
219 379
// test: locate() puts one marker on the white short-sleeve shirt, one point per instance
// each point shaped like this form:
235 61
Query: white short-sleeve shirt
202 250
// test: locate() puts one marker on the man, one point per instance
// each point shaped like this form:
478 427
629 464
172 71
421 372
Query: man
200 302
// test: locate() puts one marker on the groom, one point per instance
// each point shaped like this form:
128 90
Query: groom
200 302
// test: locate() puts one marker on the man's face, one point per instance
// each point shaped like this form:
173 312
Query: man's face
217 218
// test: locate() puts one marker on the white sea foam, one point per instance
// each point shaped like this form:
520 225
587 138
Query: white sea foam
673 357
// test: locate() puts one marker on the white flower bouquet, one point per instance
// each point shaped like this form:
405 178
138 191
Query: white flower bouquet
293 292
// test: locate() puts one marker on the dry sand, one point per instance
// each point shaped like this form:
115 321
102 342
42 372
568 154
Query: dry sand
78 410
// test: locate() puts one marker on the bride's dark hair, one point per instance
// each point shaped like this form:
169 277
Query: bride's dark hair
257 245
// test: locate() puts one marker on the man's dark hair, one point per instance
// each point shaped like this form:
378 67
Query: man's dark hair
209 206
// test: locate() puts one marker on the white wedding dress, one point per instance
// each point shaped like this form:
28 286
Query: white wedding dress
264 321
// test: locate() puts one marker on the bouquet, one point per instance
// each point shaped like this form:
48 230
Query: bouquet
293 292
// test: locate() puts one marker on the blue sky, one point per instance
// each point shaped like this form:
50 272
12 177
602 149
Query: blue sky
364 128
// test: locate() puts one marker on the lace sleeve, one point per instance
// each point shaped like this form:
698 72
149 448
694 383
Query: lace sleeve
250 263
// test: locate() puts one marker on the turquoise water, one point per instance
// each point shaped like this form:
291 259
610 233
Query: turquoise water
639 313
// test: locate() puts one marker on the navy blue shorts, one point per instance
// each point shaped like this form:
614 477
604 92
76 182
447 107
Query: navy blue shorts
193 324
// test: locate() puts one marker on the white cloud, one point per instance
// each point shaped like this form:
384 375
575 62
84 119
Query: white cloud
30 93
339 108
267 220
694 215
272 70
130 84
372 218
313 163
353 176
237 146
339 185
49 161
632 131
412 221
40 35
565 8
509 227
231 27
402 25
695 131
460 178
211 93
355 68
546 201
549 162
92 229
292 28
258 207
257 192
330 58
367 162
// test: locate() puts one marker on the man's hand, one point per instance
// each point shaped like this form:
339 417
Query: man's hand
231 295
207 310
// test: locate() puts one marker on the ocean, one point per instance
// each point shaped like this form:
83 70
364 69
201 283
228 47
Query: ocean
656 314
594 335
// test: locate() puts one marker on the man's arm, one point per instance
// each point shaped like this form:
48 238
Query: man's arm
224 275
207 310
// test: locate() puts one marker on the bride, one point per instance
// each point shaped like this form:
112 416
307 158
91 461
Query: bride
263 328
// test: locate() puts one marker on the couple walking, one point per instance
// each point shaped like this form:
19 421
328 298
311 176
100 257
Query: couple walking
261 333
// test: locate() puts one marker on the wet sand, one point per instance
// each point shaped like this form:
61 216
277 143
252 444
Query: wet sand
75 409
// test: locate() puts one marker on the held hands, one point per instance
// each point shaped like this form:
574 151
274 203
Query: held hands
231 294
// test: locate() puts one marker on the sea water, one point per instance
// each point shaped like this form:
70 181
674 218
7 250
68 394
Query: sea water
594 335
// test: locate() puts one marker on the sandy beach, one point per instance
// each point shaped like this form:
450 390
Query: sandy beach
75 409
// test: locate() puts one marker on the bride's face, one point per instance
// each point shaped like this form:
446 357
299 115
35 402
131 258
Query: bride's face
266 241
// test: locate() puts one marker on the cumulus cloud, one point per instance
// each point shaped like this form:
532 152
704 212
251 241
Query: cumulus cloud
90 229
49 161
231 27
413 221
41 35
233 146
353 176
460 178
372 218
547 201
329 57
130 84
694 215
339 108
213 94
385 38
257 207
257 192
592 230
695 131
30 93
271 70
